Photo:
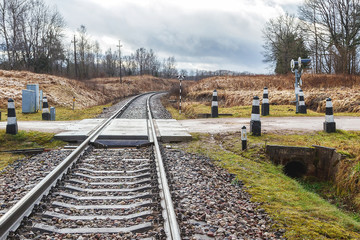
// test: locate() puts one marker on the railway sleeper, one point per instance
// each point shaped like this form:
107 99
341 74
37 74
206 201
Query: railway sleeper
103 207
98 190
143 181
85 230
115 198
114 172
48 214
144 175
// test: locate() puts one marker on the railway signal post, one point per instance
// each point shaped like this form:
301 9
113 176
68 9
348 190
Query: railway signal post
297 67
180 77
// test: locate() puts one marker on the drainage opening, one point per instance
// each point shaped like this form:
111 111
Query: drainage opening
295 169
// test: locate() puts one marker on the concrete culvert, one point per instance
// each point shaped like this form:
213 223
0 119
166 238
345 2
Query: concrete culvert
295 169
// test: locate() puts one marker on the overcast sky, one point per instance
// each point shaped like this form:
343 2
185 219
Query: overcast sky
200 34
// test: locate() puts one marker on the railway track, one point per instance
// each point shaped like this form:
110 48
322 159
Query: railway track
95 193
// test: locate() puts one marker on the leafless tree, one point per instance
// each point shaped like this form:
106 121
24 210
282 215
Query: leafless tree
283 42
336 23
169 67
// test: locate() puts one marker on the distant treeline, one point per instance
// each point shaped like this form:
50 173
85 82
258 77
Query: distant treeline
32 38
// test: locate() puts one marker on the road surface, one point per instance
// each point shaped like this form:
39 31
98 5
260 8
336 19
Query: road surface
217 125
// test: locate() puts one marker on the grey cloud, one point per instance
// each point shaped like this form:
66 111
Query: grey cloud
210 37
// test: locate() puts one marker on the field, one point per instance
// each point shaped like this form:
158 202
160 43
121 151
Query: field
88 93
240 90
301 206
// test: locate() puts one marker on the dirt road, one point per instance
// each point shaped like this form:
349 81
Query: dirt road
217 125
268 124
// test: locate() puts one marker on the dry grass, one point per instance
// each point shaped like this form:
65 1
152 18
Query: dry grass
88 93
240 90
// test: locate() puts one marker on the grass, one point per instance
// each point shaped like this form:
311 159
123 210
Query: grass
346 142
33 139
62 114
175 113
24 140
296 208
191 110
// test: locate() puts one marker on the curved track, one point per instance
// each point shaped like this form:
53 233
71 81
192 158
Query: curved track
112 193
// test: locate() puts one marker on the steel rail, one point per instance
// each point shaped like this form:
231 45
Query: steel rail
11 220
170 216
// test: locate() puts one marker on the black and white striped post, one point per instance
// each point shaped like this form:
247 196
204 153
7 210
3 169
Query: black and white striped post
265 108
329 124
11 126
243 138
180 77
302 107
214 105
255 124
45 111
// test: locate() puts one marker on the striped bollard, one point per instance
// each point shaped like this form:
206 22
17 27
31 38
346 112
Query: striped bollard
255 124
214 105
243 138
265 108
302 107
11 127
329 124
45 111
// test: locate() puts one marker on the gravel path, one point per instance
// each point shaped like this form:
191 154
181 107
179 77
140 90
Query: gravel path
210 204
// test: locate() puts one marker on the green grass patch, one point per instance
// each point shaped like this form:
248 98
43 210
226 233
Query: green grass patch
62 114
295 207
24 140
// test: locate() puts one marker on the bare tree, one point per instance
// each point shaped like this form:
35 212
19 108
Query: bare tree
339 24
169 67
110 62
83 51
283 42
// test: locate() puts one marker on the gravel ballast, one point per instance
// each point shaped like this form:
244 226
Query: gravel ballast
211 204
20 177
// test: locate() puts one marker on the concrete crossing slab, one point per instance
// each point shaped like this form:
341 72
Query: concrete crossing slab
170 130
79 131
126 129
167 130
